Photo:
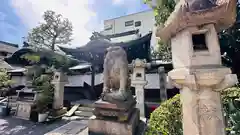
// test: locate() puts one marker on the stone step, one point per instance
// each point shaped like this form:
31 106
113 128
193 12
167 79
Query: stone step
72 118
86 109
84 102
13 98
71 128
14 108
11 101
83 113
13 104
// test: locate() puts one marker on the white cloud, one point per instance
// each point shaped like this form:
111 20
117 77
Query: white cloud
77 11
126 3
118 2
2 16
130 6
4 25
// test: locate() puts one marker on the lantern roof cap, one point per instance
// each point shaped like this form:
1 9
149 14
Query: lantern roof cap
189 13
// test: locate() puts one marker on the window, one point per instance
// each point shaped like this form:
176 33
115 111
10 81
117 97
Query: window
108 27
138 75
138 23
199 42
128 23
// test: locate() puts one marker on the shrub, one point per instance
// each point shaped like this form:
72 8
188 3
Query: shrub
41 82
5 80
167 118
230 98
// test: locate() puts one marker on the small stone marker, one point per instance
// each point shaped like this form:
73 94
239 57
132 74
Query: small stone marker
23 110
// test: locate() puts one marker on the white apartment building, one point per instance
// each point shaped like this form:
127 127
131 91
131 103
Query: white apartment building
123 27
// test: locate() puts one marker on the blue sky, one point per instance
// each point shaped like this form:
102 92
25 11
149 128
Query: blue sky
17 17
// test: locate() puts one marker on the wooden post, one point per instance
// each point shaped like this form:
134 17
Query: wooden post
162 84
93 93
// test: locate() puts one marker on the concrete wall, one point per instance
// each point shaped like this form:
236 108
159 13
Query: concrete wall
117 25
78 80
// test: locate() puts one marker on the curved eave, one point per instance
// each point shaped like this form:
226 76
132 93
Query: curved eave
17 60
9 44
223 16
96 54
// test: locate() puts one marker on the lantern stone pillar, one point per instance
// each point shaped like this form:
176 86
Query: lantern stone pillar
139 82
59 81
198 72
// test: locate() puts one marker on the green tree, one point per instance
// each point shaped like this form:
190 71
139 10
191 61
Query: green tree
229 39
55 30
5 80
162 10
230 45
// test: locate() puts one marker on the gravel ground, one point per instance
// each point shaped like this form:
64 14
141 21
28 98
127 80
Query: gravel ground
14 126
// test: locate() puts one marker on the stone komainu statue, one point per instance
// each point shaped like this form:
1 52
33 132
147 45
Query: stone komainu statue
116 77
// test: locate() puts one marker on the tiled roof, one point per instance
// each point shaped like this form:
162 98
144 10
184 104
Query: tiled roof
10 44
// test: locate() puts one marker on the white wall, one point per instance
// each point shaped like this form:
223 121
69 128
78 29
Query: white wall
78 80
147 24
18 80
124 38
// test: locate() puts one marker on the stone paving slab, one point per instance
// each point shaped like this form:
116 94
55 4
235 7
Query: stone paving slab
140 130
72 128
14 126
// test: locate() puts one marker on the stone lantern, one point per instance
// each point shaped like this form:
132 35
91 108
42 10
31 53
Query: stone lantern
198 72
59 81
139 81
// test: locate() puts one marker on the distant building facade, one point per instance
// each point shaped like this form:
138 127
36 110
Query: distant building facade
130 27
7 49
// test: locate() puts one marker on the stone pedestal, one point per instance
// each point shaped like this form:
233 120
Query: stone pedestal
117 112
114 119
200 97
110 127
